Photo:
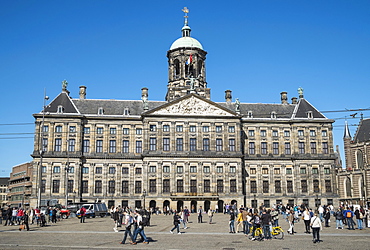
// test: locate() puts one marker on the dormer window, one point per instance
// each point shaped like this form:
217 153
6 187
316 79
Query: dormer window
273 115
309 115
100 111
250 114
126 112
60 109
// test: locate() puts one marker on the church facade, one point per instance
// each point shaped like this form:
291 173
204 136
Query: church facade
186 150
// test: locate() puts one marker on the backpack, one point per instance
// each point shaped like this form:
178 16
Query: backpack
145 221
349 214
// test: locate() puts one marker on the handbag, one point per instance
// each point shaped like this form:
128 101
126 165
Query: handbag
21 227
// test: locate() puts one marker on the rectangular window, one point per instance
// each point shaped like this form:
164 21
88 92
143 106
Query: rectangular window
265 171
302 170
263 133
70 186
264 148
111 187
180 186
232 145
139 147
98 170
86 130
180 169
206 169
275 133
45 129
152 128
300 133
58 145
286 133
233 186
56 185
112 146
152 144
56 169
205 129
324 133
138 171
139 131
316 188
287 148
44 144
251 133
326 170
125 170
125 131
275 148
193 129
99 130
193 169
304 186
71 145
265 187
85 170
152 186
218 129
218 145
193 186
193 144
253 171
99 146
179 128
277 186
252 149
43 169
86 146
231 129
72 129
313 148
113 131
166 128
312 133
325 149
98 187
152 169
232 169
205 144
85 187
276 171
112 170
219 169
125 189
137 187
288 170
166 186
179 144
301 147
58 129
166 144
315 170
328 186
125 146
289 185
253 187
220 186
207 186
43 186
166 169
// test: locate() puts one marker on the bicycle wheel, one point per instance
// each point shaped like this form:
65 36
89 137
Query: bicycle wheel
279 234
259 234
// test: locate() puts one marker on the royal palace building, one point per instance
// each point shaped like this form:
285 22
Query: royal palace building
186 150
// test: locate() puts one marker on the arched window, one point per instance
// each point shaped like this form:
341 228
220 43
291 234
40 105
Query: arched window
359 159
176 70
348 191
200 67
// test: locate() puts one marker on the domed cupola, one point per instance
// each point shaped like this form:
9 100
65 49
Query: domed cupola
186 62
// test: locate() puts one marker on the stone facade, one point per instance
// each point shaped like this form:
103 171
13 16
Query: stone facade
20 185
186 150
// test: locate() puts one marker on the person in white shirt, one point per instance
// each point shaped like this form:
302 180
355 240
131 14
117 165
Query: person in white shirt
316 227
306 219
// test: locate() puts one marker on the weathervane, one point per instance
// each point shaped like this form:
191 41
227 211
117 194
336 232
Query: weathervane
186 11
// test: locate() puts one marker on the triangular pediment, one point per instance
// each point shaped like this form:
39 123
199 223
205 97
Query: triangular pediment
193 105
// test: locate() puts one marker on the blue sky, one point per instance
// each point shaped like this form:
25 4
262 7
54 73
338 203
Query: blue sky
255 48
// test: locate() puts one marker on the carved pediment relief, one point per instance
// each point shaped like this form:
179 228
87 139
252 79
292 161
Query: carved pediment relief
192 106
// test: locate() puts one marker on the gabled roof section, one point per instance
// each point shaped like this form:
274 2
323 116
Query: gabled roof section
304 108
63 100
192 105
363 131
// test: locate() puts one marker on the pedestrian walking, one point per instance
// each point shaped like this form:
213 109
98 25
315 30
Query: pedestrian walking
316 227
176 223
139 229
200 215
210 215
232 221
128 221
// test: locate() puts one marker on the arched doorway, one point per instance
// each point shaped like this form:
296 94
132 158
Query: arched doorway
193 206
152 204
207 205
220 204
166 207
180 205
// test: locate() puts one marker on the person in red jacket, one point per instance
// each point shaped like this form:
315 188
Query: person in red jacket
82 214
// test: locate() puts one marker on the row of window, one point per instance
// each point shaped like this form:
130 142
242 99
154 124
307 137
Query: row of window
98 188
287 148
289 171
289 186
152 169
275 133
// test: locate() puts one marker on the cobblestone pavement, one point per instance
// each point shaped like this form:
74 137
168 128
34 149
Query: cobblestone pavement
97 233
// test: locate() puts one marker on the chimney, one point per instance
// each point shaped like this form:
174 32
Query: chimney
144 98
294 100
284 97
82 92
228 96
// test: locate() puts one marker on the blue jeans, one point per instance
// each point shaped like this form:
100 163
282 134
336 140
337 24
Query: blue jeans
359 224
177 226
350 223
140 231
232 226
127 232
245 227
339 223
266 231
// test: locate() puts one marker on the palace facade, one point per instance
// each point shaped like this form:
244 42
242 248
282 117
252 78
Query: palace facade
186 150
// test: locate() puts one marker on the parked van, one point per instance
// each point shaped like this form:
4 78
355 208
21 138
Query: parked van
94 209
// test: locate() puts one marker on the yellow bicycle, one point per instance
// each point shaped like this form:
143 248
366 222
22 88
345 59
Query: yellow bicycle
258 234
277 233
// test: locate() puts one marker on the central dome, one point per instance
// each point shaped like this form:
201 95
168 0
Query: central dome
187 42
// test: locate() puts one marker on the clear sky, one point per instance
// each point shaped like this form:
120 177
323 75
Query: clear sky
255 48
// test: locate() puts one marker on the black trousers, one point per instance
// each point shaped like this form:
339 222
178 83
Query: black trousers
316 233
307 225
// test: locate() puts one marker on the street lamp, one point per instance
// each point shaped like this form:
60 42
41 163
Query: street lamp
67 170
255 201
41 150
144 194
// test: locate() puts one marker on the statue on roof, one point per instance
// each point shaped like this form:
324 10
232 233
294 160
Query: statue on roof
237 105
64 85
300 92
